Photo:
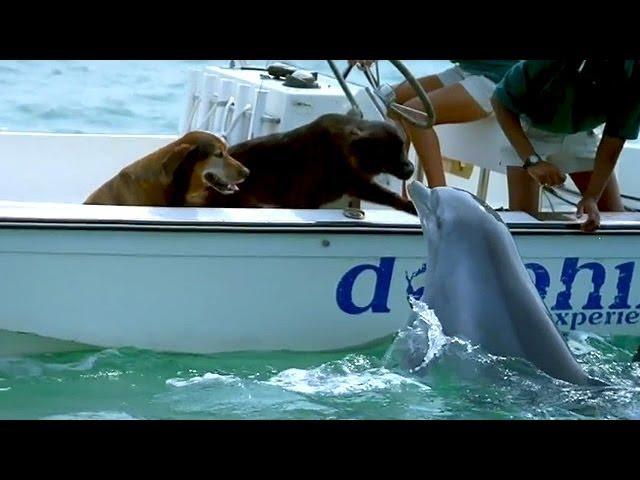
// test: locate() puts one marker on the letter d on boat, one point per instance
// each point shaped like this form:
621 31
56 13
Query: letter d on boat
378 304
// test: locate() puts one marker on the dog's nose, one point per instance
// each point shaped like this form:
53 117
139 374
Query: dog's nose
407 171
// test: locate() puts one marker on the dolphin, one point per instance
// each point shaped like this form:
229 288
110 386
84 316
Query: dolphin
479 288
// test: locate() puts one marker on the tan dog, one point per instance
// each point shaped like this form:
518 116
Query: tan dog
185 173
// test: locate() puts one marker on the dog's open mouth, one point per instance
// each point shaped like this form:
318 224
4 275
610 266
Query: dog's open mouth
220 185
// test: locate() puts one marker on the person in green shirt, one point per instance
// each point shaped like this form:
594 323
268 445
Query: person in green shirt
548 110
459 94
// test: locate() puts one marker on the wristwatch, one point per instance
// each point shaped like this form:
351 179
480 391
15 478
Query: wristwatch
532 160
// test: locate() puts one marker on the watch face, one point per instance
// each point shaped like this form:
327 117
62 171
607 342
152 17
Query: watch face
533 159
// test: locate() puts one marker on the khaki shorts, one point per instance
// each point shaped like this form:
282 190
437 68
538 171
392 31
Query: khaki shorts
480 88
571 153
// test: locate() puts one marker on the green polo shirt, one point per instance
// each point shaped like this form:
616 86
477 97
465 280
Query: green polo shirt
494 70
556 97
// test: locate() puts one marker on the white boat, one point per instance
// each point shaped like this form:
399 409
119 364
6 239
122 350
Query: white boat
221 280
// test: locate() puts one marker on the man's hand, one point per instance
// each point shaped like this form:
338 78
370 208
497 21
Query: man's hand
546 173
589 206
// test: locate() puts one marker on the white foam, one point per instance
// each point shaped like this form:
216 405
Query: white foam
316 381
106 415
207 378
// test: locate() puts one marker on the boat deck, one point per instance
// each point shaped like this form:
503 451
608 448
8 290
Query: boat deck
75 216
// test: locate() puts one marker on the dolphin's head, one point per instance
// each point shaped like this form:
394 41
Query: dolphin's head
444 211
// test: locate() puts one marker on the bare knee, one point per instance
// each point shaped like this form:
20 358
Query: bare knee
610 200
405 92
524 192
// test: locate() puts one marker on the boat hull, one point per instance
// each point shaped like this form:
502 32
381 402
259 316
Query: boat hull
192 284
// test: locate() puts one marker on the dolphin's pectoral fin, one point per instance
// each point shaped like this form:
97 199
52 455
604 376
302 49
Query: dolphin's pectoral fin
636 357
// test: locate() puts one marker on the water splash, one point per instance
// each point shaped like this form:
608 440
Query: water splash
204 380
351 376
421 341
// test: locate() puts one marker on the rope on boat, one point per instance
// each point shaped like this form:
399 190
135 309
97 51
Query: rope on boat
245 110
192 115
546 196
552 191
627 197
578 194
205 120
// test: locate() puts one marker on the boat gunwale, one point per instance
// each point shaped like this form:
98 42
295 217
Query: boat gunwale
29 215
519 228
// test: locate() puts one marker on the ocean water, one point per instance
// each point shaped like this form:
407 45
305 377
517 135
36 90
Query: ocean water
116 96
454 381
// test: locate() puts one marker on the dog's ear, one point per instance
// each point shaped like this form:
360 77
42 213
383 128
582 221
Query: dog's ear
175 158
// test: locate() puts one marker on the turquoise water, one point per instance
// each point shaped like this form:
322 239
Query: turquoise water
458 381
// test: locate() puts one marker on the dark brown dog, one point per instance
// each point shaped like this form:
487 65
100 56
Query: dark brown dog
318 163
185 173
